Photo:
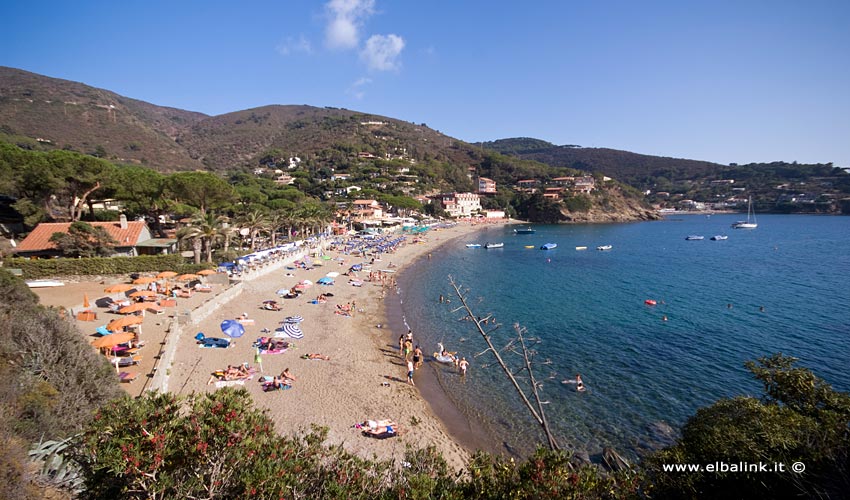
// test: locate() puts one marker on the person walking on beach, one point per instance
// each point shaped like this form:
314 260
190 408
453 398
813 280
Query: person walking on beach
410 372
401 343
408 348
417 357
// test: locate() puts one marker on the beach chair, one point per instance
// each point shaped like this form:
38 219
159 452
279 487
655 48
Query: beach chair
155 309
127 377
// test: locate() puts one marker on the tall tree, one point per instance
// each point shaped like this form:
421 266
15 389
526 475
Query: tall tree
201 190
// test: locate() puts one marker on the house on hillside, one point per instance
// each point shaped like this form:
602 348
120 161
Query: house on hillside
486 186
459 204
134 238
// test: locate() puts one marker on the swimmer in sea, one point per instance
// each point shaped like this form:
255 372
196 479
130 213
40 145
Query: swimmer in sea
579 383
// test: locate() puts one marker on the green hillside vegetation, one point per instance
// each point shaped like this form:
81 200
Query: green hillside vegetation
772 185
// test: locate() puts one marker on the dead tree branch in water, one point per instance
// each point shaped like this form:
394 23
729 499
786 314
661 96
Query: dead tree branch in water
536 408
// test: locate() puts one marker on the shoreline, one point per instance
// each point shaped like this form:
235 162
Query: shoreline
350 388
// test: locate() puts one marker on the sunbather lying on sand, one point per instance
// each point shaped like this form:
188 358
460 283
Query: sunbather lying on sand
380 428
316 356
240 372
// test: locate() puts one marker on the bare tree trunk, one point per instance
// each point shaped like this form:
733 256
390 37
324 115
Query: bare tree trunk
537 413
76 207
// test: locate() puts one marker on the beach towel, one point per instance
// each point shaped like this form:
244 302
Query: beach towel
230 383
272 351
383 435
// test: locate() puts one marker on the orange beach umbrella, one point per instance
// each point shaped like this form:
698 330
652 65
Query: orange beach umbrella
138 306
120 287
143 293
206 272
186 277
166 274
86 300
117 324
144 280
113 340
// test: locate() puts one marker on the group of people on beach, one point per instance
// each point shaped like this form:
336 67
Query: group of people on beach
414 357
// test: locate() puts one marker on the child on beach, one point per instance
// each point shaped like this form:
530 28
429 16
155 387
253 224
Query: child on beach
410 372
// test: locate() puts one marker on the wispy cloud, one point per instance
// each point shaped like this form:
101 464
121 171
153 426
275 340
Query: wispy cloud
356 88
345 18
292 45
382 52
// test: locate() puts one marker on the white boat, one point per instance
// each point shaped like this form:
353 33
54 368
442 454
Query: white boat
719 237
43 283
581 248
694 237
604 247
494 245
525 230
548 246
751 222
473 245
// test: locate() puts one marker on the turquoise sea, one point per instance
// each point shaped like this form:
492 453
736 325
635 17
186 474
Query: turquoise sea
587 310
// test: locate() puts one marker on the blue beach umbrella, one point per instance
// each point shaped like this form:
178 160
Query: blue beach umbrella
325 281
232 328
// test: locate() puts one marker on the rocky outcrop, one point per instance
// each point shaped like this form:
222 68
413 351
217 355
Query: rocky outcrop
611 205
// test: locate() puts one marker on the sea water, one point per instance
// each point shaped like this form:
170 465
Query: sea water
779 288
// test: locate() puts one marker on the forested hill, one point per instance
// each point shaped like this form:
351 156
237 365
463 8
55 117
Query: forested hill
39 112
632 168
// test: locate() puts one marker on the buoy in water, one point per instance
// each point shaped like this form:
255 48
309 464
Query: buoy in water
649 302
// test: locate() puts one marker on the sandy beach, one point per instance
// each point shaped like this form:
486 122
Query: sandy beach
365 377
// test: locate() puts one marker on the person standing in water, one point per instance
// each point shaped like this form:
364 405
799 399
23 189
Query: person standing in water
463 365
579 383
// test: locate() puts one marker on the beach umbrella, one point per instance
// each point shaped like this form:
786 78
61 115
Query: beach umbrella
332 274
120 287
325 281
291 330
113 340
186 277
143 293
166 274
282 291
86 301
305 282
206 272
117 324
232 328
138 306
144 280
293 319
103 302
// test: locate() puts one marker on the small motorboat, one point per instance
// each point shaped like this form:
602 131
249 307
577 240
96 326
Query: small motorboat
581 248
604 247
694 237
650 302
494 245
548 246
719 237
473 245
526 230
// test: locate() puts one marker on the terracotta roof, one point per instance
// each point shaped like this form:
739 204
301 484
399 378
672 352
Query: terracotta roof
39 238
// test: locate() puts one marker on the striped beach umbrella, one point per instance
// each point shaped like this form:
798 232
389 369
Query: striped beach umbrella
293 319
291 330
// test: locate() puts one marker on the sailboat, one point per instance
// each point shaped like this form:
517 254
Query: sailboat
751 222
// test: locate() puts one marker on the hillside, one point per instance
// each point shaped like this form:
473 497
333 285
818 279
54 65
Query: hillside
71 115
40 112
634 169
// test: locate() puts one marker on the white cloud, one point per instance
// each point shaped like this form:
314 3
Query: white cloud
356 88
292 45
382 52
345 19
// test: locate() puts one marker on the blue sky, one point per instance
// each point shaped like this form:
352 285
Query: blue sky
725 81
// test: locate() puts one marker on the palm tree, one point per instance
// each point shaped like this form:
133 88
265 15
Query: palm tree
203 231
255 222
